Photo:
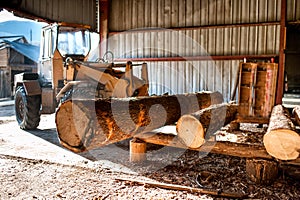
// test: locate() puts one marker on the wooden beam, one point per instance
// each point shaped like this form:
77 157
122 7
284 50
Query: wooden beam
196 58
150 29
103 25
282 45
217 147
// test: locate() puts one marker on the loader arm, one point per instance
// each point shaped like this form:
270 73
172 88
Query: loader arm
119 85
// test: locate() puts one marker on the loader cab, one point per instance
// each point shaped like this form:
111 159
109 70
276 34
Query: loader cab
59 41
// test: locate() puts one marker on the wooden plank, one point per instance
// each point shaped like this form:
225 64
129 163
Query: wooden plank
184 188
217 147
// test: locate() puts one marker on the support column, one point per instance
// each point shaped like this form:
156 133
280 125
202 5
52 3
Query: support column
103 25
281 66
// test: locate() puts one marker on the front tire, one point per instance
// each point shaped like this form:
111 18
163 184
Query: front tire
27 109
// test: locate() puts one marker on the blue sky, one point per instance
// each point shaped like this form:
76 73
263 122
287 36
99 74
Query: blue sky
13 25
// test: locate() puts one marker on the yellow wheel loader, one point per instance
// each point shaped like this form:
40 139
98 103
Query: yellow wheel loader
64 73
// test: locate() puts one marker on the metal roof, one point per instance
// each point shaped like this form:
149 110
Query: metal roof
30 51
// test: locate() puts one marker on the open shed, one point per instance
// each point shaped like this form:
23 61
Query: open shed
190 45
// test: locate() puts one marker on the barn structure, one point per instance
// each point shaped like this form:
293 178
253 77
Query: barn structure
16 56
247 50
190 45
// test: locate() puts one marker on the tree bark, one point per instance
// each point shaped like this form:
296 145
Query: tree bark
296 114
194 128
281 140
88 124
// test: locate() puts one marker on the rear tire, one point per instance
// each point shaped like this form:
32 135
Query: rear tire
27 109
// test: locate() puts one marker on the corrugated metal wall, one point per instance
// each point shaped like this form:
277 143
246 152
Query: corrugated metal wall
72 11
131 14
226 38
250 40
192 76
293 10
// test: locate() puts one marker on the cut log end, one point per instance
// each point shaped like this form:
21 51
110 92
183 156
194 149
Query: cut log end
67 121
283 144
190 131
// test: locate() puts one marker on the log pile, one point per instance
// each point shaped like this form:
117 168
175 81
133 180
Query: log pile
194 128
281 140
88 124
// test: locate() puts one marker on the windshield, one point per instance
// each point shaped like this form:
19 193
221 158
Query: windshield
72 41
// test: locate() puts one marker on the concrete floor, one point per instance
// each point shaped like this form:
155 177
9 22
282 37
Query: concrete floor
43 143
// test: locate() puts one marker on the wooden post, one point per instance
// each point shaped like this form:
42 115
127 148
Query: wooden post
137 150
103 13
282 45
261 171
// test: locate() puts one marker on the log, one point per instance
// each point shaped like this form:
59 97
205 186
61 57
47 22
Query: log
281 140
194 128
88 124
137 150
296 114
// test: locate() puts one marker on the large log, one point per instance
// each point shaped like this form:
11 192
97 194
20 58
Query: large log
281 140
194 128
296 114
88 124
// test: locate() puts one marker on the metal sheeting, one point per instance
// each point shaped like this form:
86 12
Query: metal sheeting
293 10
72 11
132 14
193 76
248 40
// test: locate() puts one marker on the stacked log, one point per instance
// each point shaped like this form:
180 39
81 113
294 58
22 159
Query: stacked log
88 124
193 128
281 140
296 114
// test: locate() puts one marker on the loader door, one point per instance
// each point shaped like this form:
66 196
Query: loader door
47 48
48 73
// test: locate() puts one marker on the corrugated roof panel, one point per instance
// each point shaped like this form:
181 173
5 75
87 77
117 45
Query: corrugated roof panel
131 14
72 11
